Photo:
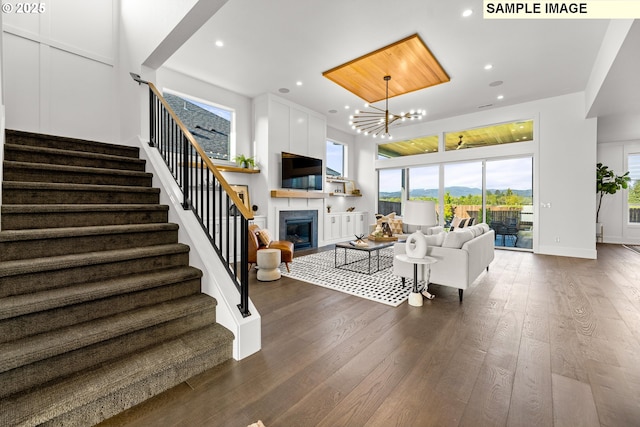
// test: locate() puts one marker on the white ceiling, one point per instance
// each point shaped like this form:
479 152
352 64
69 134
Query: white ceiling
270 45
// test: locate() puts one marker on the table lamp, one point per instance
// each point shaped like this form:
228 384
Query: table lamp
418 213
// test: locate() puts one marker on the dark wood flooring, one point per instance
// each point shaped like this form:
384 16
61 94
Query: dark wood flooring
538 341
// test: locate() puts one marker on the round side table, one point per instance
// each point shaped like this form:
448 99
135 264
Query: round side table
268 263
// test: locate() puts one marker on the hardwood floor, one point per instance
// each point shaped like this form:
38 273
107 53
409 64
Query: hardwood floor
538 341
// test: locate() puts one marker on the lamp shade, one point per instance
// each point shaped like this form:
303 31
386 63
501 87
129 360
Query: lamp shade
421 213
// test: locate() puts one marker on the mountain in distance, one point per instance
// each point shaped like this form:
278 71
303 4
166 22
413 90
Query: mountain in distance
454 191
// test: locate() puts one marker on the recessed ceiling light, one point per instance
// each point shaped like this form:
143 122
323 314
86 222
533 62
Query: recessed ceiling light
496 83
298 83
467 13
333 111
488 67
500 96
283 90
219 43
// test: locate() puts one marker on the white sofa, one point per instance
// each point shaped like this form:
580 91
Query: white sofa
462 255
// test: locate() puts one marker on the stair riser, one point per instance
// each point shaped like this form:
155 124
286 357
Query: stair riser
28 221
18 196
22 174
52 279
63 143
37 323
27 249
69 159
23 378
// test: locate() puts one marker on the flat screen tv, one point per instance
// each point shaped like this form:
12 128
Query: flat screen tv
301 172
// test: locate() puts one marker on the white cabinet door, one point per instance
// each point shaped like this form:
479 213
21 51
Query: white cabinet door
361 226
348 225
332 226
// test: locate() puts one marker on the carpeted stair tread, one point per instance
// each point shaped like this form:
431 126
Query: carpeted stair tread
67 143
14 268
120 384
42 346
56 233
37 172
26 185
23 192
24 244
18 305
45 155
18 217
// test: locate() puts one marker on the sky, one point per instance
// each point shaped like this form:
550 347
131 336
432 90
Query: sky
501 174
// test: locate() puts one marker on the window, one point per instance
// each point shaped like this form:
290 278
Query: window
212 126
424 183
391 191
336 159
410 147
633 199
505 133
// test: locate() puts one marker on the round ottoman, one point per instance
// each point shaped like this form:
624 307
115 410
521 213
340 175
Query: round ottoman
268 263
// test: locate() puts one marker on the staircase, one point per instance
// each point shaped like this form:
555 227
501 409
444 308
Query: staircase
99 308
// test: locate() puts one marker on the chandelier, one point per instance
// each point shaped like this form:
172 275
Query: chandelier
377 121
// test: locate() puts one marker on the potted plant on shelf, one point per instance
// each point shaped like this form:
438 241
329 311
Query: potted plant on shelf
244 162
607 182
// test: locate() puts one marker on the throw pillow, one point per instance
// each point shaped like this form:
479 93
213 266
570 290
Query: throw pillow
455 222
396 225
264 237
456 239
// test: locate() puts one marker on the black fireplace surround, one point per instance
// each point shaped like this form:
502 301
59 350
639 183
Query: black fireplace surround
299 227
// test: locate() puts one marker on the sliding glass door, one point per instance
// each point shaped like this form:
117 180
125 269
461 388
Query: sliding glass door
463 191
509 201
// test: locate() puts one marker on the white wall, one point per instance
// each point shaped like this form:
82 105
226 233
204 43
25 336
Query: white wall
59 69
280 126
143 26
564 151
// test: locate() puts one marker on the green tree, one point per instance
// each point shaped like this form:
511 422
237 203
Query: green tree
634 193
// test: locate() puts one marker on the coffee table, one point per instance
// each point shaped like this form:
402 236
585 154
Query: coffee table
369 264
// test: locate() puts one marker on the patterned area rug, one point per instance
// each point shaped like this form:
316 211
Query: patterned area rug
634 248
382 286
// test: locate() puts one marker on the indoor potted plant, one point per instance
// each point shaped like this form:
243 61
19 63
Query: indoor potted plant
607 182
244 162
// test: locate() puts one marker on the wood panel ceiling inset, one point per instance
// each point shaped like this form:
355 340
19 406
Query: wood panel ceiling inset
409 62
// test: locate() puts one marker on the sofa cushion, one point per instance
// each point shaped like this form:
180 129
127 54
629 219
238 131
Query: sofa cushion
435 239
455 239
484 226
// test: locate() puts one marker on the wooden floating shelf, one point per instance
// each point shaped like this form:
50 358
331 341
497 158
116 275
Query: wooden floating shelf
293 194
337 180
345 195
235 169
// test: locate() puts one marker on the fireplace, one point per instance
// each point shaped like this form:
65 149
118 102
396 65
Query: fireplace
299 227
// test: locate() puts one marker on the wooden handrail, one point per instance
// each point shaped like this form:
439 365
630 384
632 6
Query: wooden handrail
244 211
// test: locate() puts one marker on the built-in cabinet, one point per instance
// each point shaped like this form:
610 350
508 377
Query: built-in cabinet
342 226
